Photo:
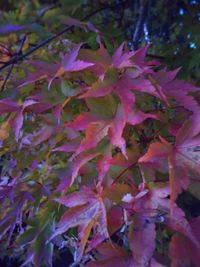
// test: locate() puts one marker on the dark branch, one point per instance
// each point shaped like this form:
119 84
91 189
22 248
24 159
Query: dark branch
17 58
21 57
7 77
12 65
155 56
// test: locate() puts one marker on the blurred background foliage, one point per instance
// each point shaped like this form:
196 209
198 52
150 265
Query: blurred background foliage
170 27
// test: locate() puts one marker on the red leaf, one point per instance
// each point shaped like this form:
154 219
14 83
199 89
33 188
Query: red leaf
181 245
109 255
122 60
116 131
7 105
176 89
182 157
137 116
157 151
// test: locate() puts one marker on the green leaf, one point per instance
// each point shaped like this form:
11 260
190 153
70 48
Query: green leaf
67 88
104 106
28 236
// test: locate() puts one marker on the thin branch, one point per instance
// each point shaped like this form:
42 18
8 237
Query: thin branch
122 172
7 77
17 58
12 66
21 57
156 56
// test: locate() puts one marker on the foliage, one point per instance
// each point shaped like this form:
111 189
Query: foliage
96 144
169 26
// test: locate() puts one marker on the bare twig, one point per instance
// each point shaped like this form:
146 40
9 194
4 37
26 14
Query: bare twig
12 65
7 77
17 58
21 57
155 56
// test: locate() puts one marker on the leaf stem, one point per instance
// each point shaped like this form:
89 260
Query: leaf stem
122 172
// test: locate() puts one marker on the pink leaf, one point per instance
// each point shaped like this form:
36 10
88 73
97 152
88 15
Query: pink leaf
137 116
69 62
95 132
120 59
74 217
79 162
77 198
142 242
116 131
82 121
179 223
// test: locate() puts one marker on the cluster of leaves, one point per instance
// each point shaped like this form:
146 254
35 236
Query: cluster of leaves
170 27
96 147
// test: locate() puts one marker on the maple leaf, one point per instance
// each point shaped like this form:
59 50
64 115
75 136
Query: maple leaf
176 89
80 161
39 137
133 62
87 210
182 158
103 61
13 217
69 147
70 64
98 126
119 60
181 245
55 69
109 254
29 105
122 60
103 164
95 130
114 219
146 208
142 242
44 70
7 105
123 84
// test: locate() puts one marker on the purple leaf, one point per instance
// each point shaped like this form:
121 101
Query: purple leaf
7 105
11 28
